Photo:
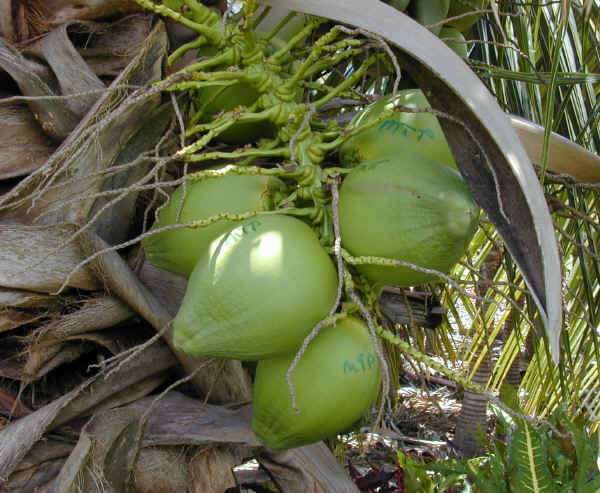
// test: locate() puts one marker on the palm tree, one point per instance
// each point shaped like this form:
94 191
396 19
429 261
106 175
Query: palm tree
546 54
100 159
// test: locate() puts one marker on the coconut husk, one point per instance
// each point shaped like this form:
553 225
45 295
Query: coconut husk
11 367
7 28
308 468
73 75
33 480
59 12
206 469
11 406
103 455
181 420
109 444
23 146
35 79
11 319
162 470
18 437
110 47
21 20
153 361
53 343
14 298
121 141
39 467
42 360
35 258
29 19
64 187
130 394
114 221
107 48
108 452
42 271
166 286
44 451
94 314
116 340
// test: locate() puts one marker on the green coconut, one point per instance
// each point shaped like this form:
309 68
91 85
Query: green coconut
403 132
408 208
460 7
455 40
335 383
213 100
178 250
428 12
257 291
218 99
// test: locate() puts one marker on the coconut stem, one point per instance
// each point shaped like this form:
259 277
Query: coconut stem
311 111
352 260
386 47
331 316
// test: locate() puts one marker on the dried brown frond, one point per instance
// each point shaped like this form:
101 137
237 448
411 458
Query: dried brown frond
30 20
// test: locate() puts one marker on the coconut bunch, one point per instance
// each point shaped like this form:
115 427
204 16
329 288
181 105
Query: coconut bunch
284 224
255 292
266 290
259 287
274 254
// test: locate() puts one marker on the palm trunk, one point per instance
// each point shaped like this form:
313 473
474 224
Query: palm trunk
472 420
513 376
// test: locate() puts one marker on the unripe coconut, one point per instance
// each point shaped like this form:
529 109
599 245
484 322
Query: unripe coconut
403 132
335 383
178 250
460 7
221 99
217 99
455 40
257 292
428 12
408 208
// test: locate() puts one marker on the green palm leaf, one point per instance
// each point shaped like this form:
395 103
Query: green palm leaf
529 459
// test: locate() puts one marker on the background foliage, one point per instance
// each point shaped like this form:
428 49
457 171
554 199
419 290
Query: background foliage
540 62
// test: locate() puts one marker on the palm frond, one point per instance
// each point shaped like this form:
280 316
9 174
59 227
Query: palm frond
542 63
